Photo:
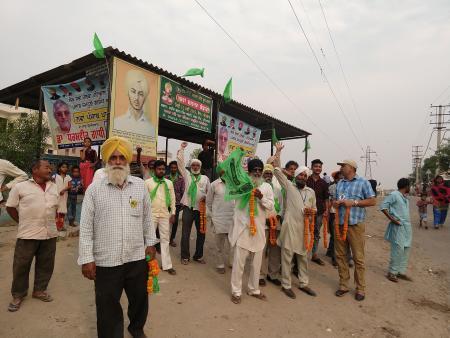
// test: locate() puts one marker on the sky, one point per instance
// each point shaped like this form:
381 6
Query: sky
395 56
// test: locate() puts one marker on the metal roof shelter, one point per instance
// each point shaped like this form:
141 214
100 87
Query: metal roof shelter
28 92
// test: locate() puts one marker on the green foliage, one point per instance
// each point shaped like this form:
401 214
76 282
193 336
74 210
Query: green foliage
19 142
441 158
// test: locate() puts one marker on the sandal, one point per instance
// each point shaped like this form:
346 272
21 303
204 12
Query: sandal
43 296
259 296
341 293
185 261
200 260
392 277
14 307
236 299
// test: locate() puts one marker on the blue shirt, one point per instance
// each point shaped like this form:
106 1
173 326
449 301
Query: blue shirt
75 186
398 206
356 189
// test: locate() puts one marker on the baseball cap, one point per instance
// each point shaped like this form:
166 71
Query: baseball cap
351 163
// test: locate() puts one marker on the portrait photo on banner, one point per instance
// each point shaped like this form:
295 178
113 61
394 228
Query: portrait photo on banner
134 106
77 110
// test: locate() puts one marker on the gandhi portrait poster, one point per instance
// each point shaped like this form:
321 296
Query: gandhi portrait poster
134 106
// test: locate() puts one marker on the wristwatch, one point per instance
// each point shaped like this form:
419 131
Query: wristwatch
355 203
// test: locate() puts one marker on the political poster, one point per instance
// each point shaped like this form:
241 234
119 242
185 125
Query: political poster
134 106
77 110
184 106
234 133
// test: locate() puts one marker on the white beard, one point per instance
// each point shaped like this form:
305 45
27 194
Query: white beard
257 181
196 172
117 174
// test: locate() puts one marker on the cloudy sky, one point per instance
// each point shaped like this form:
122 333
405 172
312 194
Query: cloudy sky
395 55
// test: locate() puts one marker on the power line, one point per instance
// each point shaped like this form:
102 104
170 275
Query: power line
325 77
342 69
266 75
440 95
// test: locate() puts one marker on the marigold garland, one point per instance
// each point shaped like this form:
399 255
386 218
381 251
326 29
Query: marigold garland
343 236
309 217
325 230
252 213
153 272
202 209
273 230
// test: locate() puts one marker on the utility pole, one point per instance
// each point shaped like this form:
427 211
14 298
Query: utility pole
416 161
439 126
369 161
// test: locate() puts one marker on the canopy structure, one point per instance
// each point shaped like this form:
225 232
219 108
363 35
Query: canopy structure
29 94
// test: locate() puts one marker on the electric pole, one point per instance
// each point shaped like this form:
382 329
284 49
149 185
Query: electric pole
416 161
440 124
369 161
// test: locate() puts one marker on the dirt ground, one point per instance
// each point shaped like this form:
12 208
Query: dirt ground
196 302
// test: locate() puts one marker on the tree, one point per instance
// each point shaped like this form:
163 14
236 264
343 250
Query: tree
195 153
441 158
20 141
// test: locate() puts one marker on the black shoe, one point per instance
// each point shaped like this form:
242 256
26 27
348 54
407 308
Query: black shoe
359 297
308 291
262 282
274 281
138 334
289 293
334 262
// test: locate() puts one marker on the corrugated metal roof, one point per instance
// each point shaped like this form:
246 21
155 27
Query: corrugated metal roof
28 92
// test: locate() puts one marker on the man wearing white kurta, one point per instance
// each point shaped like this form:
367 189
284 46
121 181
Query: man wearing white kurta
221 213
246 244
196 188
291 239
271 261
163 211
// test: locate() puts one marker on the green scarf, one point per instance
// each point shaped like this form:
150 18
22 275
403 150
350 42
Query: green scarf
174 178
160 181
192 191
276 201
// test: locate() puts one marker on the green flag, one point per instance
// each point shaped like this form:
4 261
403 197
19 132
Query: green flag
307 146
98 48
237 181
227 92
195 72
274 136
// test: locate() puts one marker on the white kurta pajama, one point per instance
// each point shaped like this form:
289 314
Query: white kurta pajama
291 239
221 213
246 244
161 216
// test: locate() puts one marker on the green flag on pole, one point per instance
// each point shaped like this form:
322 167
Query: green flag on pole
307 146
195 72
99 52
274 136
227 92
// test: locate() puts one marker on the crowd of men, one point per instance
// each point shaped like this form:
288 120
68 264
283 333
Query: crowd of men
125 218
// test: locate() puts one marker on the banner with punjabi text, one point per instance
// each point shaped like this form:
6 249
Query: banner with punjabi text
77 110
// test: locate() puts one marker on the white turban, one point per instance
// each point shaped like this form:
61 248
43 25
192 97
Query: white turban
194 160
302 169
